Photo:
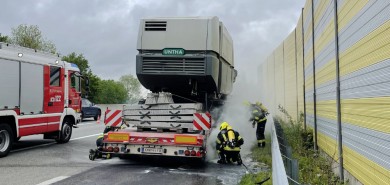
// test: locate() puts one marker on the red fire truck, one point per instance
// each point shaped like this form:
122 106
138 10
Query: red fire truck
40 94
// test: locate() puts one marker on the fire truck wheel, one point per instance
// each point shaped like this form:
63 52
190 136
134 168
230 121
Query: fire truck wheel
6 139
66 132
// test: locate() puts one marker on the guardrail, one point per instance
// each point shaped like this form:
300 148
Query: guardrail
284 167
279 175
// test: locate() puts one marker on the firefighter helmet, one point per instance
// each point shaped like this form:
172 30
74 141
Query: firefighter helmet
223 125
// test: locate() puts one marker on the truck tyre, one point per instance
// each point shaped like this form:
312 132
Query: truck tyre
6 139
66 132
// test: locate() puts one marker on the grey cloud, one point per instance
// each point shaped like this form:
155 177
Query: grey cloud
106 31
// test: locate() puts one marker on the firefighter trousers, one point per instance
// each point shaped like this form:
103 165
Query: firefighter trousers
229 156
99 142
260 133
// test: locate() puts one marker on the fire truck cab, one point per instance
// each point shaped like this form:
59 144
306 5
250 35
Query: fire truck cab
39 94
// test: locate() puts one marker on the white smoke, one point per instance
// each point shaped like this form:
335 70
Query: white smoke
237 114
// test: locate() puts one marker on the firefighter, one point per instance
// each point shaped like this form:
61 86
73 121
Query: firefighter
228 145
99 140
259 116
97 153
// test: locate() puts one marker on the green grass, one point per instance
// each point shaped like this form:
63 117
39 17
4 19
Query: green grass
264 157
250 179
313 167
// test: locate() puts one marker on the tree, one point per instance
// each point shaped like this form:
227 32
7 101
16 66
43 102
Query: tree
94 85
31 37
133 87
111 92
86 71
4 38
80 61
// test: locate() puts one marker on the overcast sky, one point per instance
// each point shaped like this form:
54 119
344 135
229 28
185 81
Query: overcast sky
105 31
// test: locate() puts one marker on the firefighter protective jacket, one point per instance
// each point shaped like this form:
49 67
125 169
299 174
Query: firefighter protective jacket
258 112
223 142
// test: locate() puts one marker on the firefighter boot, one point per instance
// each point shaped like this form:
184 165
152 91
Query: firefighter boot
92 154
261 143
221 161
239 160
222 158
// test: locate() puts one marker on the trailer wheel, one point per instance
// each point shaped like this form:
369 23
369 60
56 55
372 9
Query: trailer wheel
66 132
6 139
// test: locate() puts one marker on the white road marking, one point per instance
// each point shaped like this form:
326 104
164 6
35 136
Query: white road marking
31 147
53 180
47 144
113 161
89 123
85 137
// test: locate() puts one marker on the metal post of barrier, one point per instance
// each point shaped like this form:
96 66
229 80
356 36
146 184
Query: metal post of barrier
288 161
295 169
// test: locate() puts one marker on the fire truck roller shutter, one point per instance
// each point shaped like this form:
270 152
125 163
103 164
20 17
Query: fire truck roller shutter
9 83
31 99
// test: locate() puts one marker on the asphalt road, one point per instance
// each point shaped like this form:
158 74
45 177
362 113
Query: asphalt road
37 161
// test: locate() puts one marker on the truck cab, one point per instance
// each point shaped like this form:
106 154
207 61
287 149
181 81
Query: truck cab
41 95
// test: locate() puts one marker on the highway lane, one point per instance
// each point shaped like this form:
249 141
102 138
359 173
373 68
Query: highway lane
37 161
123 172
34 160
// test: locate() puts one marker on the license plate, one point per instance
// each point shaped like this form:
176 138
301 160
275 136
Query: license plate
152 150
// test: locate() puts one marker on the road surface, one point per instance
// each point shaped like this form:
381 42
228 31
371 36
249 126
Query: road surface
37 161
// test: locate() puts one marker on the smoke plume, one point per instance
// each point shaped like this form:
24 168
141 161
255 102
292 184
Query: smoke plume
237 114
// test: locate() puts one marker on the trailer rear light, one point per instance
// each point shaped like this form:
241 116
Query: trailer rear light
198 154
187 152
110 149
116 149
193 153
